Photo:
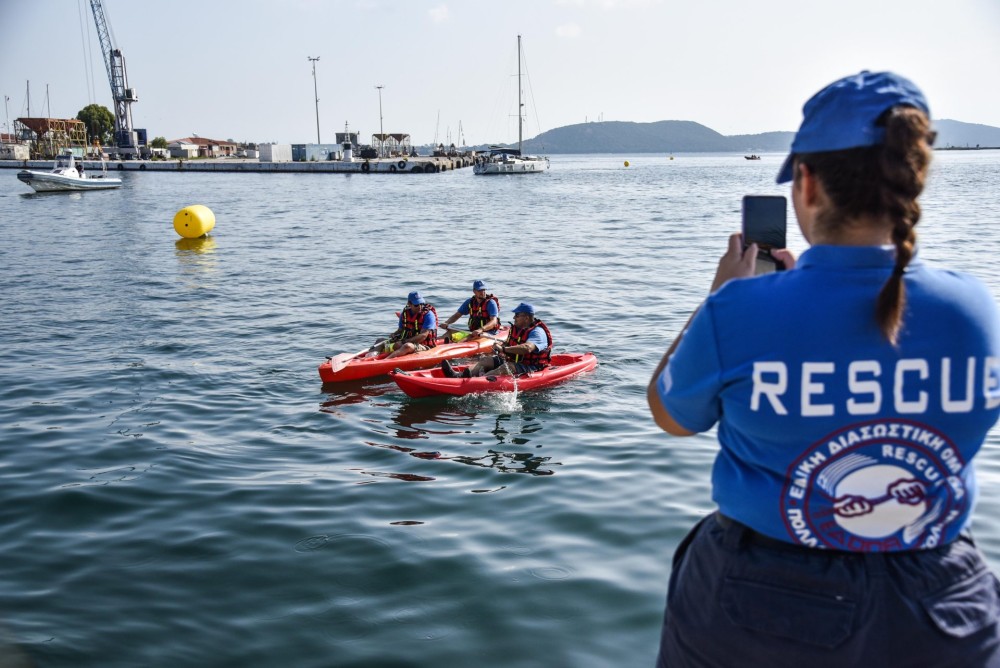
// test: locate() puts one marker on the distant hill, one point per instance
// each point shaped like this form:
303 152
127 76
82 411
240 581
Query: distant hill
956 134
691 137
658 137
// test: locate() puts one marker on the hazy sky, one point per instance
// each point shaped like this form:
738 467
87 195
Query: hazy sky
239 69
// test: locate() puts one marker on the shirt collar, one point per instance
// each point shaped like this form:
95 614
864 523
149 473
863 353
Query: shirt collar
852 257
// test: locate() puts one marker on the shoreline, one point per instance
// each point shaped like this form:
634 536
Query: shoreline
418 165
966 148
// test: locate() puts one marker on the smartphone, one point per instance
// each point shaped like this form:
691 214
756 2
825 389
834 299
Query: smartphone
765 223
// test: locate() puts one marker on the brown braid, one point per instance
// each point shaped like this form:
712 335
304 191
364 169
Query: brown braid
882 182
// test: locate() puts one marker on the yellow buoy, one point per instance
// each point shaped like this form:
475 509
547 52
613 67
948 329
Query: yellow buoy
194 221
626 163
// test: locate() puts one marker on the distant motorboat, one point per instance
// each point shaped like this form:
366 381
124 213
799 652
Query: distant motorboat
752 157
68 176
502 160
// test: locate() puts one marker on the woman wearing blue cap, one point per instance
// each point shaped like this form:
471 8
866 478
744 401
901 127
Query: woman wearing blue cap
528 348
483 310
417 329
851 395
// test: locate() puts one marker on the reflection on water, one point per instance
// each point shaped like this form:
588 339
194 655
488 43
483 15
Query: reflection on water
421 419
433 420
205 244
510 462
61 193
521 426
408 477
504 427
501 461
354 392
196 257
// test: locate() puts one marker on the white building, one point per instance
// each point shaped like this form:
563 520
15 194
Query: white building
14 151
182 149
275 152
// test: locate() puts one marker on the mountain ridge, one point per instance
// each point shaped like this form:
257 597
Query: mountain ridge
673 136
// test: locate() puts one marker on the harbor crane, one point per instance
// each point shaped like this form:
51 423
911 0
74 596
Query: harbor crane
125 136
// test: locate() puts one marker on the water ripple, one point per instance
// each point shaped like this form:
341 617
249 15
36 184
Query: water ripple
172 465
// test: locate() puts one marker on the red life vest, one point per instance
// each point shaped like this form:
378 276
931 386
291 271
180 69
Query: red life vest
519 336
478 313
412 323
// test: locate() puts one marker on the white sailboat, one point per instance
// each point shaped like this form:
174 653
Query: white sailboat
503 160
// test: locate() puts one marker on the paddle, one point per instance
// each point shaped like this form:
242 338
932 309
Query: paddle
338 362
461 328
506 364
486 334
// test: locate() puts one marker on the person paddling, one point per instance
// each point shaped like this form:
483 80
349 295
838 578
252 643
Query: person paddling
528 348
483 310
417 330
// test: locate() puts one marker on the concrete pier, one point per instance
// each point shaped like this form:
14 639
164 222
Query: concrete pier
418 165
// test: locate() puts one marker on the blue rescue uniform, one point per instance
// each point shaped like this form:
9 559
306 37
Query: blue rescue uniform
842 461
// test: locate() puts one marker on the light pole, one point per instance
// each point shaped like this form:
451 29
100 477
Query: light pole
316 95
381 133
6 98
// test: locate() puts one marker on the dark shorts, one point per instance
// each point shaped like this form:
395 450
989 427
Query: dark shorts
737 598
518 368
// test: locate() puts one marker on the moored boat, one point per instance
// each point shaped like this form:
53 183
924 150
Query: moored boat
502 160
433 382
67 175
354 366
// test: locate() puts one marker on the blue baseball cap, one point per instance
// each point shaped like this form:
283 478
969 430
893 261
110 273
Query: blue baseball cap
479 285
415 298
843 114
524 307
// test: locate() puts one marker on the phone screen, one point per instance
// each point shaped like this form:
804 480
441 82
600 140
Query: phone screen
764 223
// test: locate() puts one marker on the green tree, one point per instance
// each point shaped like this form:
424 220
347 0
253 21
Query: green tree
100 124
159 142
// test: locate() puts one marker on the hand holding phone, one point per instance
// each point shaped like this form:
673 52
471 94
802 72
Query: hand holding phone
765 224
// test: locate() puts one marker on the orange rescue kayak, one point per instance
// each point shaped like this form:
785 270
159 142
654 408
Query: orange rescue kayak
354 366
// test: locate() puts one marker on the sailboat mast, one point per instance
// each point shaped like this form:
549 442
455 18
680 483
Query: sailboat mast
520 106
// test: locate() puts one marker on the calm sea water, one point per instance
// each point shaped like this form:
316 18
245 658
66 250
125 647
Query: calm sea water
177 488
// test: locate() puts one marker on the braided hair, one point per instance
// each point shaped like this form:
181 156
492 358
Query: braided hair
881 182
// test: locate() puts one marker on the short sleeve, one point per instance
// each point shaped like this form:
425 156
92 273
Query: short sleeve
491 308
690 385
537 336
464 308
429 322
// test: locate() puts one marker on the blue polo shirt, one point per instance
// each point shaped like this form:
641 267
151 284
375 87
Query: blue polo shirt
829 436
537 336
